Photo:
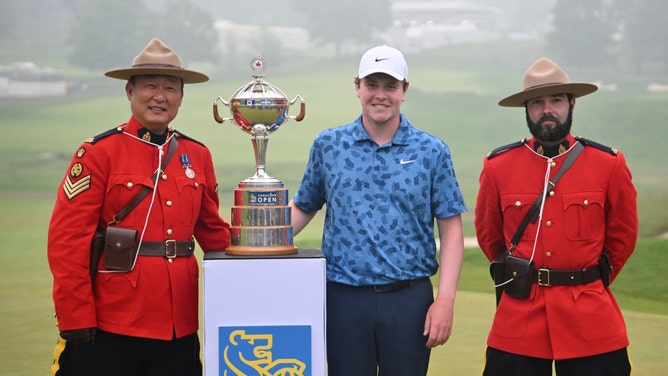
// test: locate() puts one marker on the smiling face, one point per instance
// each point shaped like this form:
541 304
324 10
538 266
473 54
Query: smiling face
381 96
155 100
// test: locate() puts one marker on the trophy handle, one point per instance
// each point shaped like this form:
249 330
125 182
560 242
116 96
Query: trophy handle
302 108
217 117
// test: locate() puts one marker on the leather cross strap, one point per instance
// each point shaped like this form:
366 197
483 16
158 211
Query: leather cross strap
173 144
532 214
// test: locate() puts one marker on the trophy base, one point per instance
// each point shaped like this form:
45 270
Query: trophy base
243 250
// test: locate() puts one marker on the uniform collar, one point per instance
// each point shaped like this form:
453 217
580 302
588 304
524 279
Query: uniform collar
551 151
136 129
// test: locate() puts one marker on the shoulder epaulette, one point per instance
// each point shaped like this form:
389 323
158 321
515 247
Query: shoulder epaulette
102 135
606 149
503 148
187 137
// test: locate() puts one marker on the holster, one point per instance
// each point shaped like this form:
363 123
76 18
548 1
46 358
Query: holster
120 248
519 270
96 249
497 269
605 268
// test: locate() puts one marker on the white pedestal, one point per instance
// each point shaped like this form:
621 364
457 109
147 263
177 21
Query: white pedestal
264 315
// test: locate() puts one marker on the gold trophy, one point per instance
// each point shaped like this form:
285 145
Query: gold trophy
261 218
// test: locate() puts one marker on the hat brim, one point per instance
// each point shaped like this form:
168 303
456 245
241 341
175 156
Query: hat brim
188 76
388 72
575 89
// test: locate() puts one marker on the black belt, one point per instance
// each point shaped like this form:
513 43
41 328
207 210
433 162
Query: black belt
168 248
550 277
395 286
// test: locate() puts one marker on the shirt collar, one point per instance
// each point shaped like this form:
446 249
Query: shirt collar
402 137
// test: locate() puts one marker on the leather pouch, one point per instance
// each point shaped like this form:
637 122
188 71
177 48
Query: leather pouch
120 248
519 270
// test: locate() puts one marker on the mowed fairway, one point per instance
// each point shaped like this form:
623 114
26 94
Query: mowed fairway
453 95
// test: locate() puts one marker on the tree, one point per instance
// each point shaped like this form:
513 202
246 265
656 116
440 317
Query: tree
109 34
582 32
189 30
644 36
343 21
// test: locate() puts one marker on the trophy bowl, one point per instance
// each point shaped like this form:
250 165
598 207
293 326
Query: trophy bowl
261 217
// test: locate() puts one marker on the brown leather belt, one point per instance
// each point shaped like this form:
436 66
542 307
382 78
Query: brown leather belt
550 277
168 248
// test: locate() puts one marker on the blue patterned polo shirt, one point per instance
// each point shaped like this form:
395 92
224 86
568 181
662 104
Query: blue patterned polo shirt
381 202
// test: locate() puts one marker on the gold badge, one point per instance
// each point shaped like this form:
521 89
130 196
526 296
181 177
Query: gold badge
540 150
76 170
562 148
146 137
81 152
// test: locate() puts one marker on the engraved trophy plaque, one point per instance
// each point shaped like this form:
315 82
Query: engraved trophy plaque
261 218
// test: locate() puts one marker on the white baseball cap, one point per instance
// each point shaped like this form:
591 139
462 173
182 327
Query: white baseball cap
383 59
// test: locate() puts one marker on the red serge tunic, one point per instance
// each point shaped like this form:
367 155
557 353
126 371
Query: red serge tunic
157 299
593 208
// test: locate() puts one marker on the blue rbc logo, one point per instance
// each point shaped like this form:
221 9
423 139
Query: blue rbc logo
265 351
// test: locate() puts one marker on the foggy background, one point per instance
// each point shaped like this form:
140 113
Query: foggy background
71 35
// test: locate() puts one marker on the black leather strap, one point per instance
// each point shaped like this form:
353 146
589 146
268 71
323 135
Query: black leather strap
548 277
168 248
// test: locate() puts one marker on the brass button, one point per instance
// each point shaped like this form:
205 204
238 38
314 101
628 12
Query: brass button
169 231
548 254
168 203
548 223
130 184
553 164
586 202
518 204
118 245
551 193
163 177
196 184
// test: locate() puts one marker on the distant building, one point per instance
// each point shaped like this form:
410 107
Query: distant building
419 25
27 80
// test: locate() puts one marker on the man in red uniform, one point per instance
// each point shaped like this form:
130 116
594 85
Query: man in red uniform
140 318
568 316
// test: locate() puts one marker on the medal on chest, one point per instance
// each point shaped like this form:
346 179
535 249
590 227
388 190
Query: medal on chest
185 163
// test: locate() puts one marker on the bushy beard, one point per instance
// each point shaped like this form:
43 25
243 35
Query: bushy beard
550 135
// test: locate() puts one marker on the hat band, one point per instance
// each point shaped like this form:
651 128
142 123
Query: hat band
149 65
546 84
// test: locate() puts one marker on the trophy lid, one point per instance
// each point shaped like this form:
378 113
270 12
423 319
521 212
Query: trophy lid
259 102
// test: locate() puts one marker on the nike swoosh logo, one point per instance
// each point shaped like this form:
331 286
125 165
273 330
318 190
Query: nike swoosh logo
381 59
406 162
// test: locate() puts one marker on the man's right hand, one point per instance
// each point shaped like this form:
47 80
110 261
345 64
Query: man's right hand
79 336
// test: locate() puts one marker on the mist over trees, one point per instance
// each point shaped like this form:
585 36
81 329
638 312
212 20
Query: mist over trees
101 34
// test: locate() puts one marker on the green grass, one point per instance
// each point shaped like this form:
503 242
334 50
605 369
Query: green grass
453 95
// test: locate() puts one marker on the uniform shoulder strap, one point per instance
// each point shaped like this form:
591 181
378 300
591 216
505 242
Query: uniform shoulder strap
595 144
102 135
187 137
503 148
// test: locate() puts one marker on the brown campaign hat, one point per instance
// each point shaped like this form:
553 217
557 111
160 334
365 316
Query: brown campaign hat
157 58
544 77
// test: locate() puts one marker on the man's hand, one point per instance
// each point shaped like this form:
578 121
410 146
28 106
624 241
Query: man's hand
79 336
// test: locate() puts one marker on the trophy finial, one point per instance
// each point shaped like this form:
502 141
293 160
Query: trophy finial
258 64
